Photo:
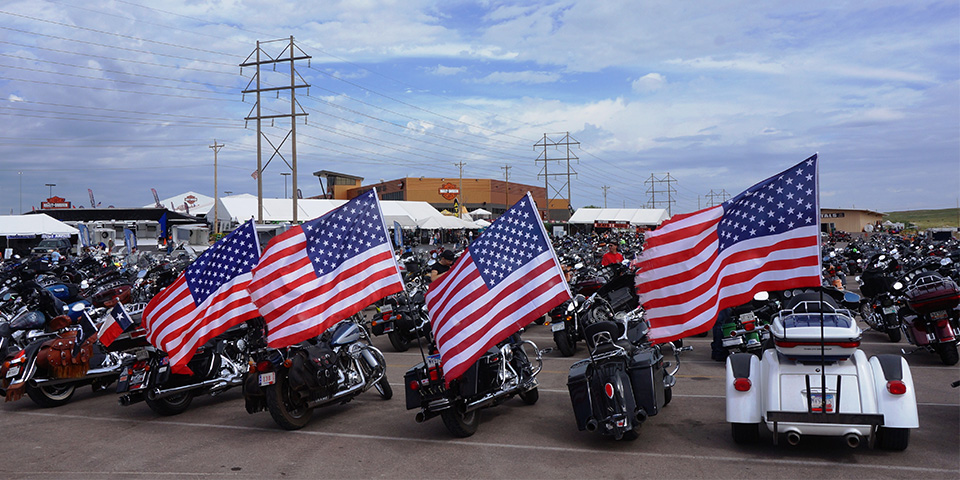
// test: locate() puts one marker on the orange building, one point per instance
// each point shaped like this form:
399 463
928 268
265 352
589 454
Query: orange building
492 195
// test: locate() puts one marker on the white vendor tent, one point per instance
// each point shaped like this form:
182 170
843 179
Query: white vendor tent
38 224
198 203
648 217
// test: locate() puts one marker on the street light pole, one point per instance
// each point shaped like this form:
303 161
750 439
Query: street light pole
216 192
285 175
20 174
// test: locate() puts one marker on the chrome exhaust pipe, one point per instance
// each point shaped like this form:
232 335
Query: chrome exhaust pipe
219 382
853 440
793 438
592 425
641 416
337 396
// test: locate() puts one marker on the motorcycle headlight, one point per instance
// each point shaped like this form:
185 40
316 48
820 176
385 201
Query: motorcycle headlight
897 286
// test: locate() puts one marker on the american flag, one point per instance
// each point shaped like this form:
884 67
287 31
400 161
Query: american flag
766 238
508 278
208 298
318 273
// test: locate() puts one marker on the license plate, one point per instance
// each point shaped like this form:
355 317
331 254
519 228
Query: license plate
729 342
816 399
748 317
557 327
939 315
433 361
268 378
14 370
136 378
386 308
889 310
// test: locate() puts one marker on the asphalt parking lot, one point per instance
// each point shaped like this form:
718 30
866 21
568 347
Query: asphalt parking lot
94 437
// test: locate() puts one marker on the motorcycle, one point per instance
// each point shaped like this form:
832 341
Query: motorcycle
501 373
333 368
403 317
619 295
748 327
930 318
216 367
625 380
880 289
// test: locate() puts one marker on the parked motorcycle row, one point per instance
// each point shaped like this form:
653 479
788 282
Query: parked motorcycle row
59 323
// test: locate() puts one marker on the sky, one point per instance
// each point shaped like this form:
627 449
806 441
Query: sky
124 96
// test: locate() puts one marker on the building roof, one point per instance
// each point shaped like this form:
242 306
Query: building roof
115 214
634 216
328 173
854 210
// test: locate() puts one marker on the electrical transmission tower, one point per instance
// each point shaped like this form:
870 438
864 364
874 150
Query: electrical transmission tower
716 198
654 181
566 142
291 53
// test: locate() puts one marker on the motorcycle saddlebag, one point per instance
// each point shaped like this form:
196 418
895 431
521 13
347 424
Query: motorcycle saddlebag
646 375
314 369
580 392
932 292
57 355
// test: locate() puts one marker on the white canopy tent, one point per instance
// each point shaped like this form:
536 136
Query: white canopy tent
38 224
648 217
240 208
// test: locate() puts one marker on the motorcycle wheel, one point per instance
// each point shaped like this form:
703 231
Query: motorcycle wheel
565 344
530 396
948 352
399 343
52 396
893 438
286 407
667 396
744 433
384 389
172 405
894 334
460 424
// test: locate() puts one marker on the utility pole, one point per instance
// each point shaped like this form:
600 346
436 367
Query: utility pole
506 187
216 191
460 204
716 198
605 188
285 175
567 141
290 53
669 190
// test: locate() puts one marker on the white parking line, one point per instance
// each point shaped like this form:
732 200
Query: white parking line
514 447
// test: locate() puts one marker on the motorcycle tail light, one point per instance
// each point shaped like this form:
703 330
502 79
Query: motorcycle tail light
264 366
434 374
896 387
742 384
608 389
749 326
414 385
942 324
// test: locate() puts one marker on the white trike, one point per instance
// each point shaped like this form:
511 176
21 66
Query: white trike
818 382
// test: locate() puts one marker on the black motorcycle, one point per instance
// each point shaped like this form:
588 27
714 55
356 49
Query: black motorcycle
501 373
619 294
333 368
880 289
624 381
216 367
403 317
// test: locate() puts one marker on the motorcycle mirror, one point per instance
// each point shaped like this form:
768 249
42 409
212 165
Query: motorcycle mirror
579 298
762 296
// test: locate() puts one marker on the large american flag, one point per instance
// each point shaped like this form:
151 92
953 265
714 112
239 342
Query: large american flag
766 238
208 298
318 273
509 277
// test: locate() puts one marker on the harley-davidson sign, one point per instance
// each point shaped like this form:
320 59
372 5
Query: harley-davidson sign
449 191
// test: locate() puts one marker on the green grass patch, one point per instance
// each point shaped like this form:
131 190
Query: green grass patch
924 219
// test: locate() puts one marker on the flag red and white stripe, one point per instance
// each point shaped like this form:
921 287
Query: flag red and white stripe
316 274
207 299
508 278
766 238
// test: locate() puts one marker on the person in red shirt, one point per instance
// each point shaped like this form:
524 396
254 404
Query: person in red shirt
612 256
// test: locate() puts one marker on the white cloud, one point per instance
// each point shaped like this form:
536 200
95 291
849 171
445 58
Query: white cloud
649 83
14 98
526 77
444 71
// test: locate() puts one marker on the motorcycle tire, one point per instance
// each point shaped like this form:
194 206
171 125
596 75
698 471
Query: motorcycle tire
565 344
948 352
667 396
285 406
894 334
399 343
530 396
631 435
384 389
460 424
745 433
895 439
172 405
52 396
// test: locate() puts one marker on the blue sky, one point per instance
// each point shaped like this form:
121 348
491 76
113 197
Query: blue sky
120 96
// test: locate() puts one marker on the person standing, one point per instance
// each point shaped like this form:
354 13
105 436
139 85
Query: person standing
442 264
612 255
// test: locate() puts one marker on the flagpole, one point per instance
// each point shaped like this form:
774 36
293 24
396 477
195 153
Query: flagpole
823 358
